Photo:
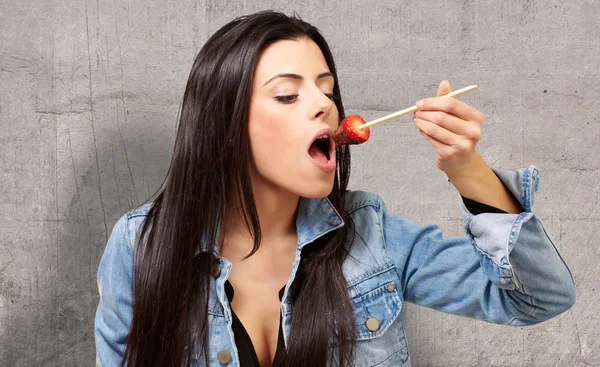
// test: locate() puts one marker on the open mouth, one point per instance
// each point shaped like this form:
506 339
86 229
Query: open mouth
320 149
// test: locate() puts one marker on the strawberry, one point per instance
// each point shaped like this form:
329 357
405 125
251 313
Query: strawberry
349 133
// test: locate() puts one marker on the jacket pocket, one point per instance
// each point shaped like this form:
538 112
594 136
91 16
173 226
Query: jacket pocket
381 337
376 310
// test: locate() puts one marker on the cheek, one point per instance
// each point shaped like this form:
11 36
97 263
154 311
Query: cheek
273 139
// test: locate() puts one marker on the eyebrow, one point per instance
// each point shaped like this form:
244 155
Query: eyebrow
296 76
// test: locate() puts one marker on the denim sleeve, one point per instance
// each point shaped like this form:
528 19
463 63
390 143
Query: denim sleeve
114 312
506 270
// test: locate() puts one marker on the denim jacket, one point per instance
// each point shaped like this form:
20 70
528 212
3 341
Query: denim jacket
506 270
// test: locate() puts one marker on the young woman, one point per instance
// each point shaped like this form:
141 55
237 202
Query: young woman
253 253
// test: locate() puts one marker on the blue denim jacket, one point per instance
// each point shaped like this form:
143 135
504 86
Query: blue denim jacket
506 271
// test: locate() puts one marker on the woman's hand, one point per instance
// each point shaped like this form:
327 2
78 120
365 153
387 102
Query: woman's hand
452 127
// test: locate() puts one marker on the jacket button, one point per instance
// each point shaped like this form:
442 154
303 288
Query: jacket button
372 324
215 270
391 287
224 356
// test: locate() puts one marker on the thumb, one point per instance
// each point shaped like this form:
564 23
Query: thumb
444 88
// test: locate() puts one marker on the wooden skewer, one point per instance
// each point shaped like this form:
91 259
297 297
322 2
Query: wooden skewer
412 109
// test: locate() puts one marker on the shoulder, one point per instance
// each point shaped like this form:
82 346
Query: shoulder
129 224
140 211
369 216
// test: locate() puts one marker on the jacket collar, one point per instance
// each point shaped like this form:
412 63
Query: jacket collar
314 218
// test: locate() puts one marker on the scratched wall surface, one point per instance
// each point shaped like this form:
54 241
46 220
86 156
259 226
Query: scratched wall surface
89 95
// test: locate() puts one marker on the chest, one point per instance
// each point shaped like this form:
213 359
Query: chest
258 316
255 286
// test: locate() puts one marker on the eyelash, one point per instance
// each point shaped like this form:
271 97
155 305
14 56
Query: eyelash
290 98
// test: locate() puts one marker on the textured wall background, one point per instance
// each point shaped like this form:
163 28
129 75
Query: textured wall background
89 93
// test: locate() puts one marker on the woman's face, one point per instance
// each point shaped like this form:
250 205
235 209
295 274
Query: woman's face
291 105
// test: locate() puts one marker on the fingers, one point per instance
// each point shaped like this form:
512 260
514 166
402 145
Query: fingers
452 106
444 88
444 151
436 144
446 143
437 132
469 129
452 127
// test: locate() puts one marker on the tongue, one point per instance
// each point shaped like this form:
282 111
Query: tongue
316 152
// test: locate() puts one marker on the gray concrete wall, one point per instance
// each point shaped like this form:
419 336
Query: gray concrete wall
89 93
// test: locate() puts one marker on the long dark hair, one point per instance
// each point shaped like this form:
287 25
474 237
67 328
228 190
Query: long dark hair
208 174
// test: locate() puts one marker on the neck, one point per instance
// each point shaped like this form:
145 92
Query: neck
276 210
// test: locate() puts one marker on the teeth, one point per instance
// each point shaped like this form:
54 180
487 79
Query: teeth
323 137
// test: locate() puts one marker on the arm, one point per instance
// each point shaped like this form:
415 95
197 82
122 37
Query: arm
113 316
507 271
479 183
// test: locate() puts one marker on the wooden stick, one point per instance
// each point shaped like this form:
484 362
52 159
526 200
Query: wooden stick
405 111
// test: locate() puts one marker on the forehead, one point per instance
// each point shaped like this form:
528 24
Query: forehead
301 56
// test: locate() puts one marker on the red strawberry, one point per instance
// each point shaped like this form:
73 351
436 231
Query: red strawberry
349 133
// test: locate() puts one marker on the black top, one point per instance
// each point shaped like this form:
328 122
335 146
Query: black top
247 354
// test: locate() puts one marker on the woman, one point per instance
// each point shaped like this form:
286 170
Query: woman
254 253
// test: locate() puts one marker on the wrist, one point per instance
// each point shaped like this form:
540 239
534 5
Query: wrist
475 180
473 168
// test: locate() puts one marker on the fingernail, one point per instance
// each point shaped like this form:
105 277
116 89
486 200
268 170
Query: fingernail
420 104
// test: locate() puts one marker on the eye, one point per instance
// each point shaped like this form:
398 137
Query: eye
331 96
287 99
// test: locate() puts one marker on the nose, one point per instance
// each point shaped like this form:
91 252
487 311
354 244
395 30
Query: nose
322 105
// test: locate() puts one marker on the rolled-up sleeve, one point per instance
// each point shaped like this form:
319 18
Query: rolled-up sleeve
114 312
507 270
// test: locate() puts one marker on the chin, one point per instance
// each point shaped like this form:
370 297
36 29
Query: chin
317 191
